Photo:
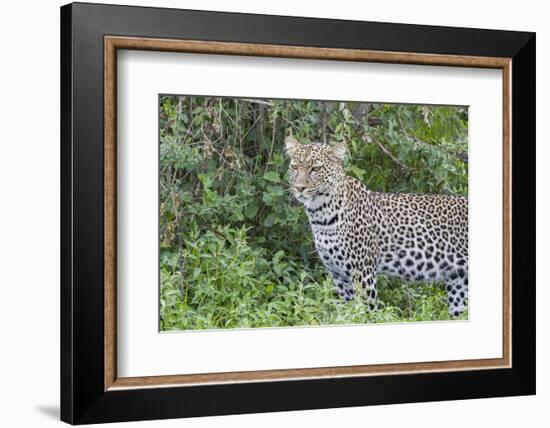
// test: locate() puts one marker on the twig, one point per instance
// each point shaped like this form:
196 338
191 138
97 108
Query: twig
389 154
266 103
323 121
181 261
273 134
251 127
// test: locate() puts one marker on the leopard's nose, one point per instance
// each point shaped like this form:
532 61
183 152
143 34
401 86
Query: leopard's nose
299 188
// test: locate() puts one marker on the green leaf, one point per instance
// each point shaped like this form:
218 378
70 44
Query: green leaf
251 210
186 197
269 220
267 199
272 176
238 214
275 190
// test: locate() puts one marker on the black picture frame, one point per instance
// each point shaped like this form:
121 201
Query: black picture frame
83 397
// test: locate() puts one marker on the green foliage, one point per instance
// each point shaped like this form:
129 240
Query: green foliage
237 251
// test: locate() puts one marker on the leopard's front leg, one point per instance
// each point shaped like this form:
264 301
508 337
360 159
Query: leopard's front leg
344 286
366 280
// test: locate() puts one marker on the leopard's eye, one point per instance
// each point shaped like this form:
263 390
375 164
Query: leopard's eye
293 166
316 168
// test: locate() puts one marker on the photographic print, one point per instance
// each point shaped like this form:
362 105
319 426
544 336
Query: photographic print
318 213
282 213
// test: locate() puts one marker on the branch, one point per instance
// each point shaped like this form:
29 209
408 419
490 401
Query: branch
463 156
374 121
252 101
389 154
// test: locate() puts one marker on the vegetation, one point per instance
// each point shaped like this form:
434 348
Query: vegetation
236 251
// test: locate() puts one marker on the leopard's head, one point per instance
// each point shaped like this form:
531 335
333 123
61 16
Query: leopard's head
314 168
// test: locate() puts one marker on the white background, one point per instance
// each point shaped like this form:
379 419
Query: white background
29 219
142 351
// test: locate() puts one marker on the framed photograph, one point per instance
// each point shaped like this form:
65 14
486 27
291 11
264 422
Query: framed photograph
266 213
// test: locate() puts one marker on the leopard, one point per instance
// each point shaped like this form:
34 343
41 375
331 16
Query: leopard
360 234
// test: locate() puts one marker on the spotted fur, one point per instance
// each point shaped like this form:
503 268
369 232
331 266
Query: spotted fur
359 233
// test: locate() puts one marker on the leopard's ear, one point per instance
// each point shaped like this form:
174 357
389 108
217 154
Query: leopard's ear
291 145
339 151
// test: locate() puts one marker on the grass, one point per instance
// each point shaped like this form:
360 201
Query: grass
228 284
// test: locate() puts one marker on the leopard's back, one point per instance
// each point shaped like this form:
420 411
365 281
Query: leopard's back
422 237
